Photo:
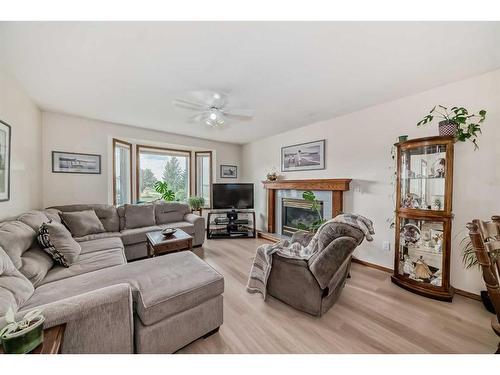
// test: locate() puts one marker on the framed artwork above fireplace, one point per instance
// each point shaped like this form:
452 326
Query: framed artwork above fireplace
303 156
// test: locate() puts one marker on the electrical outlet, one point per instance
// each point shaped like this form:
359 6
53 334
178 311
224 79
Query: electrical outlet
386 245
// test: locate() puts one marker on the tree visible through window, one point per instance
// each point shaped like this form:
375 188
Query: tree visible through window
157 164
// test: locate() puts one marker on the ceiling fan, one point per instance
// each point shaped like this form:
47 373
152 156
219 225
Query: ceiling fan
211 108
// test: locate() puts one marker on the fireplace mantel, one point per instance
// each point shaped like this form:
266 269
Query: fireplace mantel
333 184
336 185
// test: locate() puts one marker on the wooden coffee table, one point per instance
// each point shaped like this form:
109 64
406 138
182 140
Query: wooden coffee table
159 244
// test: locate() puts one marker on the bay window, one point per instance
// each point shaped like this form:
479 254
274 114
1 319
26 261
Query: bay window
203 176
162 164
122 172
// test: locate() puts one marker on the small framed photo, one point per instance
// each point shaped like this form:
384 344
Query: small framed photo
303 157
71 162
228 171
4 161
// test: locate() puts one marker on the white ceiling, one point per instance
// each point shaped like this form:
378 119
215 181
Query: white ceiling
290 73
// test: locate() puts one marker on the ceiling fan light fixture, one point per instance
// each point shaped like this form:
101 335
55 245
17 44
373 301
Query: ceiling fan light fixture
215 118
212 110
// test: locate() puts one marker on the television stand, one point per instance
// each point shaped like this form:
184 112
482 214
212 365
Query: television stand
231 224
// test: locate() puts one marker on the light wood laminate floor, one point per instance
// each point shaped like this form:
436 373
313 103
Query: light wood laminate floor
371 316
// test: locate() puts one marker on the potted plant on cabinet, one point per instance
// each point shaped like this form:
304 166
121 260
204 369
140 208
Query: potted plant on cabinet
22 336
457 122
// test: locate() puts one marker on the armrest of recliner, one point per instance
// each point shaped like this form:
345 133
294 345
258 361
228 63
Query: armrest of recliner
100 321
199 227
324 265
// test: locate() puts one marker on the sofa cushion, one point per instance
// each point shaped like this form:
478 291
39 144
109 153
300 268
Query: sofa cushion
34 219
56 241
86 263
36 264
184 225
101 244
82 223
98 236
139 215
53 214
121 214
168 212
15 289
161 286
137 235
136 251
15 238
106 213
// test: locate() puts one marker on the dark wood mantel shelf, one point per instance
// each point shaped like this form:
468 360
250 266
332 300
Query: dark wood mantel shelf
336 185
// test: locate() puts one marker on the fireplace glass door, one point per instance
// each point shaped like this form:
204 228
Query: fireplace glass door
297 213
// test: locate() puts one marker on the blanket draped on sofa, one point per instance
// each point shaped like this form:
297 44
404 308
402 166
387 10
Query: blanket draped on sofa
262 264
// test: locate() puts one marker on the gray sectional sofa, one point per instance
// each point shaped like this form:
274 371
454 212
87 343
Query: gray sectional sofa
116 222
155 305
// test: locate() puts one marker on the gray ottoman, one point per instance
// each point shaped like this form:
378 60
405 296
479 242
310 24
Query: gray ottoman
180 300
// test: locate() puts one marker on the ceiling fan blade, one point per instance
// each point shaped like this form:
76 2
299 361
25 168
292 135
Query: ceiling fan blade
219 100
198 117
189 104
237 112
210 98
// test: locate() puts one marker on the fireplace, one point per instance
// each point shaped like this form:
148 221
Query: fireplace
295 211
329 191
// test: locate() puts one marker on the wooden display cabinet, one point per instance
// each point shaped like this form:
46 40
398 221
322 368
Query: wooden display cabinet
423 216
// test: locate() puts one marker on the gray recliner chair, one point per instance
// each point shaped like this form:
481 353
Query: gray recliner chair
314 285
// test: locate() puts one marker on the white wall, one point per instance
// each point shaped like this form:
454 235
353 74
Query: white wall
358 147
24 117
76 134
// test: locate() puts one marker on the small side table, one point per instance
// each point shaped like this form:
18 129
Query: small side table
52 341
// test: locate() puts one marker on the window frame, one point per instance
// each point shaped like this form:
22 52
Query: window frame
116 141
138 148
210 175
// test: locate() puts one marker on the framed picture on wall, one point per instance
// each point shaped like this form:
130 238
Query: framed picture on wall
70 162
4 161
303 157
228 171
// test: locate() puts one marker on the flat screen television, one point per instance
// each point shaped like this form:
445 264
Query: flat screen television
232 196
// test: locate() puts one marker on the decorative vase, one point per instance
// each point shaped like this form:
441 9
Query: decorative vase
24 341
403 138
448 128
272 176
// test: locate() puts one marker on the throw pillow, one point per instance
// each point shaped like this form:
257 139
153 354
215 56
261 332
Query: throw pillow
82 223
15 289
56 240
34 219
139 215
